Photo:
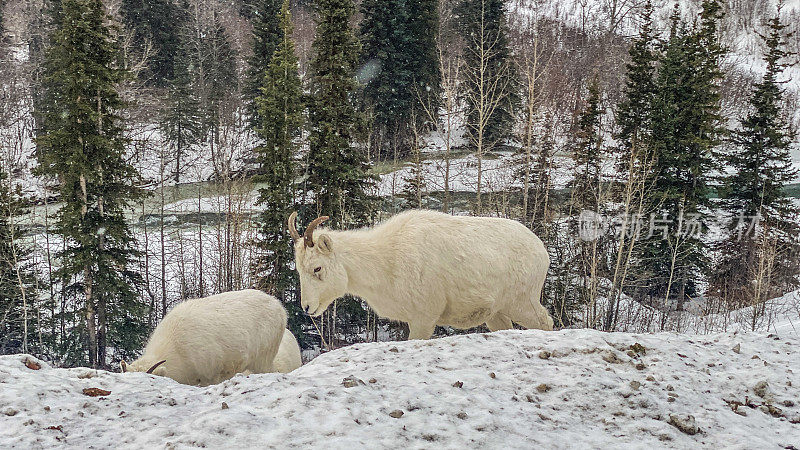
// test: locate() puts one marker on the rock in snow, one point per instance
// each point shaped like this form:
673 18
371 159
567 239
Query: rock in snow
761 389
441 388
686 424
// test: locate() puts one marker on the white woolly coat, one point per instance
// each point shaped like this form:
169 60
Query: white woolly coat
428 268
289 356
208 340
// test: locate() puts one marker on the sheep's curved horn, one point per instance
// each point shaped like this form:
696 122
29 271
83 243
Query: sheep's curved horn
293 226
308 235
150 370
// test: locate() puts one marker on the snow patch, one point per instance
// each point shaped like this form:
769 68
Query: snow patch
512 389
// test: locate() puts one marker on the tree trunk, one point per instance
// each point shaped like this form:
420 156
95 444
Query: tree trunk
162 239
200 238
91 321
178 155
102 325
91 327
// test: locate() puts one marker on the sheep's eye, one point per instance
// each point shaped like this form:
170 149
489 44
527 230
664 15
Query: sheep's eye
317 269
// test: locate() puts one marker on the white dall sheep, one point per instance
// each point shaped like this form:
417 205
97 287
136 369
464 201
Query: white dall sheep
205 341
289 356
427 268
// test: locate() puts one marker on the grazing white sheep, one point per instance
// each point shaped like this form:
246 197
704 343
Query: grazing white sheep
428 268
288 357
205 341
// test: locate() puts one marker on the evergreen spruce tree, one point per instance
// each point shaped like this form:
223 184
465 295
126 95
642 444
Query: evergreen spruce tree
413 192
587 154
181 121
634 112
83 148
280 121
488 68
386 41
671 89
337 173
754 194
634 160
156 23
423 27
337 168
684 131
267 36
708 54
400 66
18 285
44 22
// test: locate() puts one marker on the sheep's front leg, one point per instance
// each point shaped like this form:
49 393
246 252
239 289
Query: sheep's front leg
418 330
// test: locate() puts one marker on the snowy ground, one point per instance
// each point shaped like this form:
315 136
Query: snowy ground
513 389
499 174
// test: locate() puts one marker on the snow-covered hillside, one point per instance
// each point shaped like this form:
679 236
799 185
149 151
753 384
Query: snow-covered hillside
513 389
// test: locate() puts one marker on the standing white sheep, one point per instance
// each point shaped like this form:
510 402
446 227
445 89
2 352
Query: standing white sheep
289 356
205 341
427 268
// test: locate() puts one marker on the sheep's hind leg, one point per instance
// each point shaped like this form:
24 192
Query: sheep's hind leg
535 317
499 321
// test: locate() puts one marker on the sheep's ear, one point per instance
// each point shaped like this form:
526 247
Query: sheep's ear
123 366
324 243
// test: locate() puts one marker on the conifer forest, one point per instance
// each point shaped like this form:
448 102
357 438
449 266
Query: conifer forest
152 151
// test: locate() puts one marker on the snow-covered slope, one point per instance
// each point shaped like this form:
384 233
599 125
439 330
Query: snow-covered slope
513 389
